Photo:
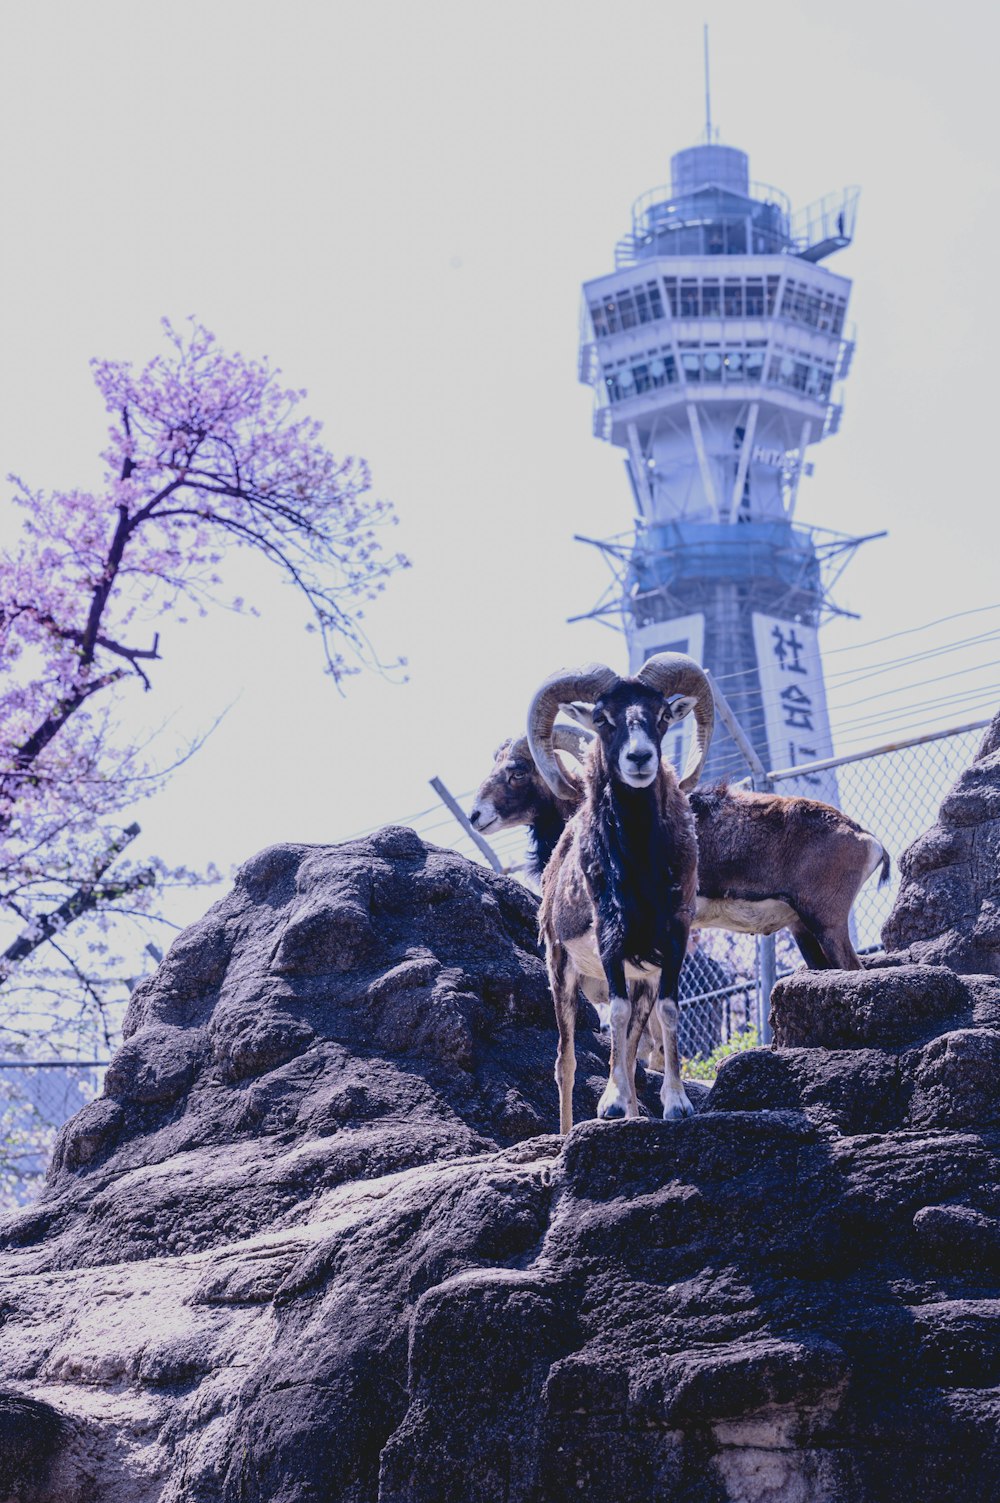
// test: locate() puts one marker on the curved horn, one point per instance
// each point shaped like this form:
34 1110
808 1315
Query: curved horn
573 739
676 673
587 684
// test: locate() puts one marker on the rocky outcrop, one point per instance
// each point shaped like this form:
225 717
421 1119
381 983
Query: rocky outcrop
316 1241
314 1116
947 911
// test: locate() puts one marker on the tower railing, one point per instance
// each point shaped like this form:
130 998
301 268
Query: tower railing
825 225
758 195
812 232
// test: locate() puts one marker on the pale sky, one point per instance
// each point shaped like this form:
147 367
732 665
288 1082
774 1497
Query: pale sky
397 204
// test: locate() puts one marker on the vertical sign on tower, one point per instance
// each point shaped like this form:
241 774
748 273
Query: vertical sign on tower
794 703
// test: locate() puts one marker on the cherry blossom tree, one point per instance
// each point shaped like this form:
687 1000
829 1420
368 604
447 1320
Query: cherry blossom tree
206 452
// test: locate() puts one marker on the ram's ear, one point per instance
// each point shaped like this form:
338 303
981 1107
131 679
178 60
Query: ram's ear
582 713
678 708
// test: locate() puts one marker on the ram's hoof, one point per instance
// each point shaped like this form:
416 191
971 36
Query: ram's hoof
610 1111
677 1107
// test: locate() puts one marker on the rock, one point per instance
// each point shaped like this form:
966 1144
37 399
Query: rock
947 911
155 1065
847 1090
255 1046
725 1382
318 1240
93 1130
30 1437
955 1080
908 1046
956 1237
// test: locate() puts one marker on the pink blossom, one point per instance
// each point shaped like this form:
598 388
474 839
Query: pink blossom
206 452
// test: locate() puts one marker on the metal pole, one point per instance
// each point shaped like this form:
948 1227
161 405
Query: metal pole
761 782
746 449
708 94
455 808
766 977
781 773
725 713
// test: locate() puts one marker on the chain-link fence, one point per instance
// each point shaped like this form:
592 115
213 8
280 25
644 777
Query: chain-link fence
36 1098
893 790
716 993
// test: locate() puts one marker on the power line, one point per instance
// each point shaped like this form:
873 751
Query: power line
755 709
921 684
756 704
910 630
861 671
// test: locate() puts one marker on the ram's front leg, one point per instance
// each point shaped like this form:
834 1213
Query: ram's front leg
618 1098
672 1093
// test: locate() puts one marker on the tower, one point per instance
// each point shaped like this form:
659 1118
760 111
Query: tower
715 349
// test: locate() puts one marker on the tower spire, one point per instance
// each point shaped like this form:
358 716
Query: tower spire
708 93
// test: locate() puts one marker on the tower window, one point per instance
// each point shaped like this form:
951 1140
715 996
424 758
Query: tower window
626 311
755 364
629 379
649 304
736 237
810 306
732 298
626 308
796 372
690 301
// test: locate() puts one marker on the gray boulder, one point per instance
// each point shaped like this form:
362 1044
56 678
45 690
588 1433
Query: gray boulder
947 911
318 1244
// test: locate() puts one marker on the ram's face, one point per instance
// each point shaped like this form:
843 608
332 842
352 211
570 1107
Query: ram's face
631 729
509 796
631 721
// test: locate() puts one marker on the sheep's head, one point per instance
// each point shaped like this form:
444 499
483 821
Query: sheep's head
630 716
631 721
515 793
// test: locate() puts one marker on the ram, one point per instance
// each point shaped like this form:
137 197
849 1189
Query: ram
765 861
618 894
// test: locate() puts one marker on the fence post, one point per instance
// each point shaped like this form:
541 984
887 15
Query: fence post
766 965
456 810
766 968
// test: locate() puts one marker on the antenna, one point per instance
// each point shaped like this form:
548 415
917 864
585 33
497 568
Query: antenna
708 94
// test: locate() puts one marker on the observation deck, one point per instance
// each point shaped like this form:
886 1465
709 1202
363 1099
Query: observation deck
711 208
